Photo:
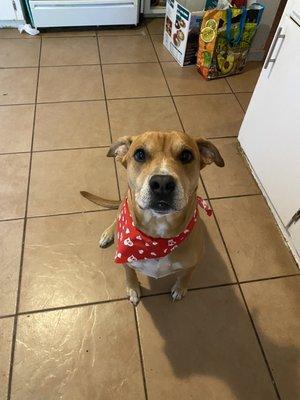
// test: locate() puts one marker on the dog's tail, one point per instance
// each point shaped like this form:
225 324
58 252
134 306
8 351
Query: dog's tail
110 204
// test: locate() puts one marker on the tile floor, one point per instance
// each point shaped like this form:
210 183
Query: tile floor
66 329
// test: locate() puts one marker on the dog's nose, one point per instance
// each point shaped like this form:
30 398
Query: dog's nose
162 184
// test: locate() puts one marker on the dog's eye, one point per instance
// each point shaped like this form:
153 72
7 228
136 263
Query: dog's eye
186 156
140 155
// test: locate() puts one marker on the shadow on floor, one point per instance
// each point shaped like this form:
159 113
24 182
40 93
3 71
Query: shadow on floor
209 334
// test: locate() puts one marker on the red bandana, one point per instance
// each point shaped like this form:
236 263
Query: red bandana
134 245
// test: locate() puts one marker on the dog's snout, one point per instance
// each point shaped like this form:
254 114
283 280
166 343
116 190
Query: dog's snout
162 184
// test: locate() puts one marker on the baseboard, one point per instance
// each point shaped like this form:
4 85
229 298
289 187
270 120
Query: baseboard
256 55
281 227
11 23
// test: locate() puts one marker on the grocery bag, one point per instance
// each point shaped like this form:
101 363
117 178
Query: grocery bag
225 39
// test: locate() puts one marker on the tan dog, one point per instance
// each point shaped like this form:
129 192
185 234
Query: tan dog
163 173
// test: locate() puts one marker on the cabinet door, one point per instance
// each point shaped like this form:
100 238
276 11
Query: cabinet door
270 133
7 11
10 10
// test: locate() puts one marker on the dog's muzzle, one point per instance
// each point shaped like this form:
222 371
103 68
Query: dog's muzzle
162 192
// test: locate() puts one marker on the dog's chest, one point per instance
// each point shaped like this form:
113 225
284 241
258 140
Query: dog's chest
156 268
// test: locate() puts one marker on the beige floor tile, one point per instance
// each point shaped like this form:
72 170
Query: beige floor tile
126 49
253 239
6 331
11 233
57 178
67 125
70 83
211 348
19 53
244 99
187 80
155 25
232 180
210 115
274 305
161 51
141 115
63 264
69 51
16 128
114 31
138 80
68 33
17 91
13 33
13 185
214 269
246 81
81 353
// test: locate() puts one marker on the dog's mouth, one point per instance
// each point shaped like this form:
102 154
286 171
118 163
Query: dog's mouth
161 207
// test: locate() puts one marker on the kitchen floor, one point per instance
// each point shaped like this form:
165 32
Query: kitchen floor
67 330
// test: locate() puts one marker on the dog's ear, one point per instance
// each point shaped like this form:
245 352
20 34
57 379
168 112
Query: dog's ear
120 148
209 153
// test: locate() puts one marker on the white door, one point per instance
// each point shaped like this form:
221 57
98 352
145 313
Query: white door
270 133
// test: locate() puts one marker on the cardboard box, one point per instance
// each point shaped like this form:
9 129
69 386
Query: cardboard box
182 24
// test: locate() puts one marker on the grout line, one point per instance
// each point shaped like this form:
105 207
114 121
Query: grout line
15 152
272 278
244 299
123 98
23 238
163 73
107 210
108 117
129 63
7 316
140 352
68 213
11 219
145 296
24 67
235 196
104 146
70 65
72 306
234 93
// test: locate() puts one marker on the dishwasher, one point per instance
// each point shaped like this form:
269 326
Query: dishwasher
64 13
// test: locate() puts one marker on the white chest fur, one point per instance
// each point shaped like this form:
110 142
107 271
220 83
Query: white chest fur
156 268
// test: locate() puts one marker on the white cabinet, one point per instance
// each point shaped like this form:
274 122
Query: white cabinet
270 133
60 13
10 10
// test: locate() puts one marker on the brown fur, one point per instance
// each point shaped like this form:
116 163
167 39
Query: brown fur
162 150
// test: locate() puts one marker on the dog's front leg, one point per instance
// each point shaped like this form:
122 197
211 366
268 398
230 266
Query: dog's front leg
107 237
133 285
180 287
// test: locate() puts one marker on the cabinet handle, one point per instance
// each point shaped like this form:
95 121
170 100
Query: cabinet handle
294 219
269 60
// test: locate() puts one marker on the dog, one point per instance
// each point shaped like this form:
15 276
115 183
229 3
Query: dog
157 230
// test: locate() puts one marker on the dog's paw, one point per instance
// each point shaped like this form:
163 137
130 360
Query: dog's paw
177 292
134 295
106 240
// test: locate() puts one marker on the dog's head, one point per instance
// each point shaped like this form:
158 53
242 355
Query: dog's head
163 167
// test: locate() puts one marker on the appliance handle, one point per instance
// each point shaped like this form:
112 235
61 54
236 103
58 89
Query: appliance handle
295 218
269 59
